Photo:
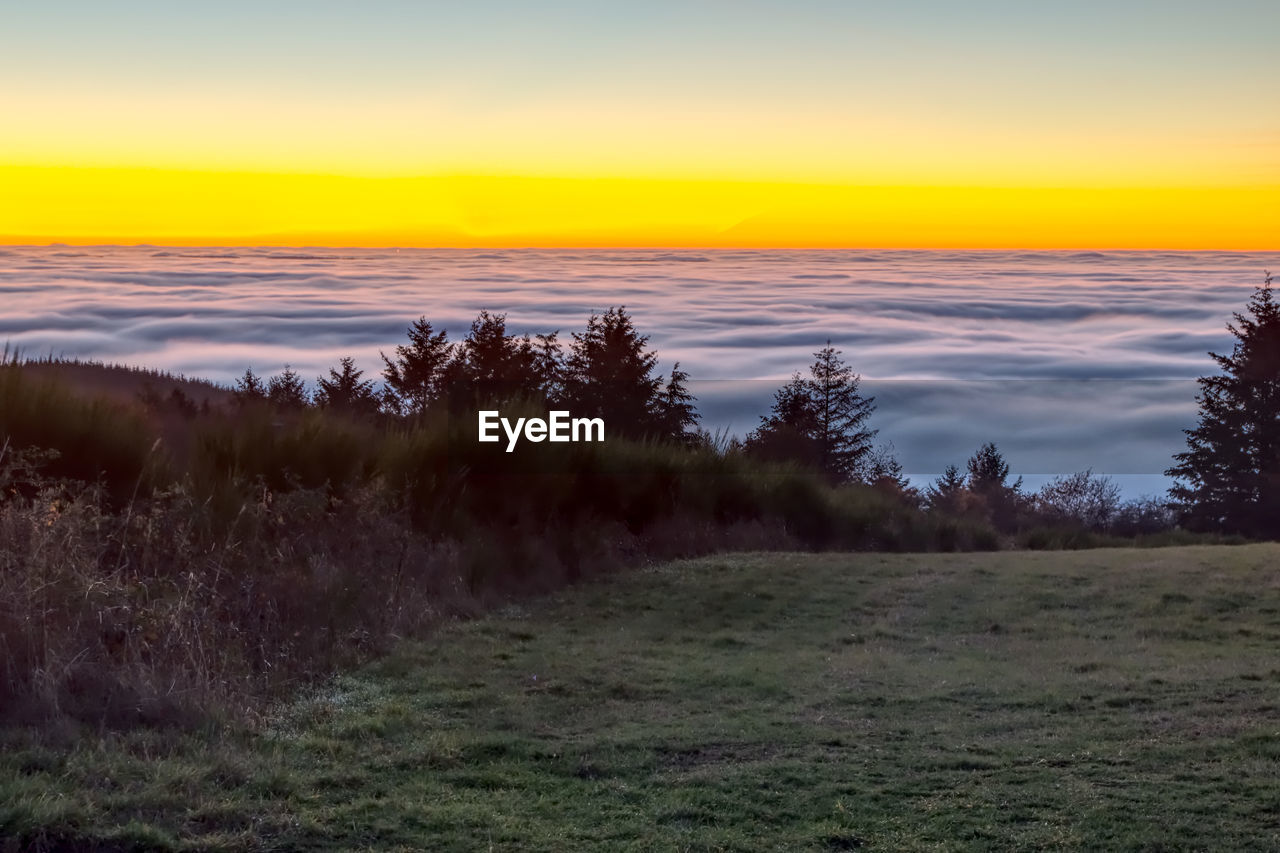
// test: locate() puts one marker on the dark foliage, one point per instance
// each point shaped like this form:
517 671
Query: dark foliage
1229 476
1142 516
1084 499
609 373
287 390
250 390
820 422
677 417
883 471
989 482
493 368
946 492
345 392
414 377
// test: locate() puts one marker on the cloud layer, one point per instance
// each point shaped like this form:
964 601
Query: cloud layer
1038 321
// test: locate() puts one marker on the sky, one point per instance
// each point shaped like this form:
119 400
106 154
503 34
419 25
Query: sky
698 123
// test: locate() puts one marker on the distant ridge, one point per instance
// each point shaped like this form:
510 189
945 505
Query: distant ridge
122 382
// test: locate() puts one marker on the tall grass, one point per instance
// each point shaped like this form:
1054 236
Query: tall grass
92 440
155 567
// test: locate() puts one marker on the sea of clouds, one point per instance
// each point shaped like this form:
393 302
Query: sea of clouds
1067 360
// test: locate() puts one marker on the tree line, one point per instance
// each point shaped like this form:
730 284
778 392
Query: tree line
607 371
1227 481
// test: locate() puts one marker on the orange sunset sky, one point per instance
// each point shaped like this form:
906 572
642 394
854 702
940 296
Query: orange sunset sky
927 124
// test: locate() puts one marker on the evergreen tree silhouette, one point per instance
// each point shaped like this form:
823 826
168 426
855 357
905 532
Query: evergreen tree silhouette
988 470
491 367
820 421
249 389
415 375
1229 475
287 390
945 494
989 480
546 360
609 374
344 391
677 416
841 414
788 433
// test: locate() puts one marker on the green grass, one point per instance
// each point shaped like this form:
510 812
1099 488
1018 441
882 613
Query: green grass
1110 700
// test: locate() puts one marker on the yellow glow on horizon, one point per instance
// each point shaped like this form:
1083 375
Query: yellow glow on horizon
174 207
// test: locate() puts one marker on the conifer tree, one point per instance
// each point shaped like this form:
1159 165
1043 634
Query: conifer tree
989 480
287 390
609 374
677 417
820 421
841 414
547 361
344 390
788 433
415 375
249 389
945 494
1229 475
491 367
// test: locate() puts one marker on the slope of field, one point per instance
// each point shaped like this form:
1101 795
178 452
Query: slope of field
1119 700
123 383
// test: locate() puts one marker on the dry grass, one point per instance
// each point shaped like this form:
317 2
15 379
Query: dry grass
157 615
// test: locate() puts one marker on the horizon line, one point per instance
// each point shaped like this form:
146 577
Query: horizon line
91 243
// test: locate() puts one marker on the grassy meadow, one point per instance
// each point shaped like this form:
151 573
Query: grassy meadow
1119 699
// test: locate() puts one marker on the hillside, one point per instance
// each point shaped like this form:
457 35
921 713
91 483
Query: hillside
125 383
1112 699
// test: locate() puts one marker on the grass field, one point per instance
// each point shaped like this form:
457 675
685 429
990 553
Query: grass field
1117 700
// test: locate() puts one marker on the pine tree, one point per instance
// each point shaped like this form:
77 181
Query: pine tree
547 361
788 432
819 421
946 493
249 389
989 472
287 390
1229 476
676 414
491 367
609 374
988 479
841 414
344 391
415 375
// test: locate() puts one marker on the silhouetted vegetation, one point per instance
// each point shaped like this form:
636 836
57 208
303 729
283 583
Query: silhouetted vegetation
1229 476
1071 511
819 421
172 551
416 375
160 554
346 392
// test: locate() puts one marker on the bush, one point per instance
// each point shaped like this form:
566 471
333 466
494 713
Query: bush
1142 517
153 569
